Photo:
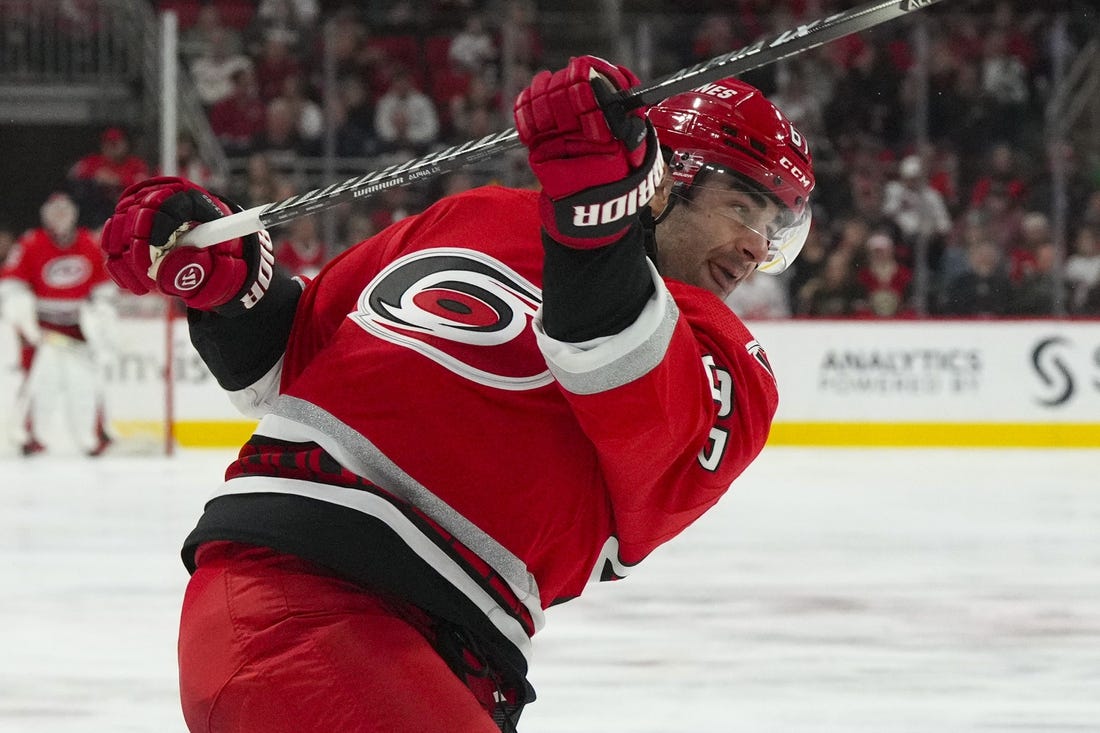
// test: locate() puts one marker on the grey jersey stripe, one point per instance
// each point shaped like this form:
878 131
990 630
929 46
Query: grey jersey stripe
295 419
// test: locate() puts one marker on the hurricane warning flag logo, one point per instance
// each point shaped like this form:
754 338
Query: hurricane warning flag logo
463 310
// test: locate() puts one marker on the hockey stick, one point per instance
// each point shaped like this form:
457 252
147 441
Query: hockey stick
765 51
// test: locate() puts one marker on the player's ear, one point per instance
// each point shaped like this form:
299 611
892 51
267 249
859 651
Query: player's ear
660 199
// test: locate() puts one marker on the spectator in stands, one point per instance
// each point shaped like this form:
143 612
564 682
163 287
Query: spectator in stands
391 206
1082 270
346 43
1001 176
358 227
810 262
293 20
957 112
352 114
198 39
456 182
866 100
280 140
259 185
1090 213
401 16
966 37
473 49
301 251
1002 217
1005 84
1091 305
309 119
760 297
238 119
943 175
866 178
405 118
213 72
97 180
886 282
969 229
798 99
983 290
715 34
1064 163
835 292
914 207
521 39
274 63
850 236
189 164
1018 29
1023 249
1035 293
475 109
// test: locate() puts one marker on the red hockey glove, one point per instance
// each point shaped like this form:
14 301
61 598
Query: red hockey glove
597 161
143 254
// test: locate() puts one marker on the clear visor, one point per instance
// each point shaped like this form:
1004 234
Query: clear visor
782 232
784 244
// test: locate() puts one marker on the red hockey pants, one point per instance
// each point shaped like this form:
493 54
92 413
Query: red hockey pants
272 644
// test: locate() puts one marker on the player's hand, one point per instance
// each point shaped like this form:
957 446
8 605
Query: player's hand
587 151
140 241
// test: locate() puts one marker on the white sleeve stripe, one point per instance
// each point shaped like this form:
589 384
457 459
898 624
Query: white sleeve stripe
612 361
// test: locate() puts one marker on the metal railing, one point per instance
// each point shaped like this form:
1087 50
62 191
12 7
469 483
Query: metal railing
51 41
110 44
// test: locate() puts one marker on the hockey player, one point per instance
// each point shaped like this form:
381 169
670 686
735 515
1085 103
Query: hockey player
474 413
57 294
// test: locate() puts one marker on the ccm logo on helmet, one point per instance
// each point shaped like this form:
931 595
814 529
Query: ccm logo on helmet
797 172
620 207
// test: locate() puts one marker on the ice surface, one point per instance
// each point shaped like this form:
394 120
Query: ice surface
881 591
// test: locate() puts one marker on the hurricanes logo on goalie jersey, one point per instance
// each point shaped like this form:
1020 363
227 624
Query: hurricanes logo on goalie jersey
463 310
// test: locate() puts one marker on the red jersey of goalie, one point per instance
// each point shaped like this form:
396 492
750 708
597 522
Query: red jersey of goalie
60 264
468 417
54 282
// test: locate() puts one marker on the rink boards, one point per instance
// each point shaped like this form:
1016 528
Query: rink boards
843 383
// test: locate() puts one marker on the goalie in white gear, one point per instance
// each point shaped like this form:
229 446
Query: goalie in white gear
55 293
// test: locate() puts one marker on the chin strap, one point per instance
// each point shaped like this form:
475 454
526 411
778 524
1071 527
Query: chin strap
649 225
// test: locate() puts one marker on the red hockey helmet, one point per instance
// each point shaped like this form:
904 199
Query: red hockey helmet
730 127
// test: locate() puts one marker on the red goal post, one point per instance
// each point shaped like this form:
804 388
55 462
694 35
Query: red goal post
140 374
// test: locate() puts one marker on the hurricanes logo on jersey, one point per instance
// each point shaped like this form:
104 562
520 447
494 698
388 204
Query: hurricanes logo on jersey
66 272
463 310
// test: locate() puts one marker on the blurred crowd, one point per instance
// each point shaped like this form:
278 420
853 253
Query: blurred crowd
935 192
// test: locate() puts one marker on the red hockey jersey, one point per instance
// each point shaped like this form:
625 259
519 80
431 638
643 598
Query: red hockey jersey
422 406
61 277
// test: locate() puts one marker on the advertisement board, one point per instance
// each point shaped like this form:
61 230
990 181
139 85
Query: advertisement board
935 383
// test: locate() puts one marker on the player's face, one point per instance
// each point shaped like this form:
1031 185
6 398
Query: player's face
715 239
